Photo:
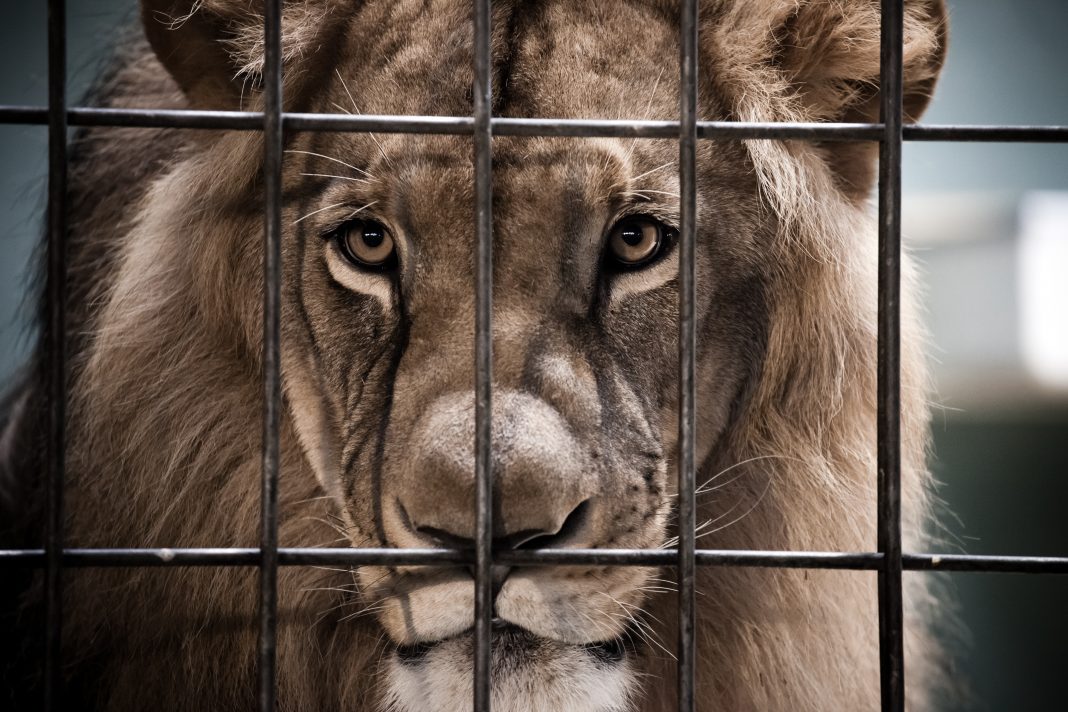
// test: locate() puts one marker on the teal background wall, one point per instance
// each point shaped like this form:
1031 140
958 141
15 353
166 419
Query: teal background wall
92 27
1001 448
1002 456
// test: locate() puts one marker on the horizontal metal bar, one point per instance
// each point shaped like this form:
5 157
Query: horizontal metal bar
703 557
15 558
141 118
727 130
239 120
462 125
25 115
864 561
985 134
986 564
458 125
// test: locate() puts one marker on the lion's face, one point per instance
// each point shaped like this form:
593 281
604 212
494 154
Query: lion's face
379 365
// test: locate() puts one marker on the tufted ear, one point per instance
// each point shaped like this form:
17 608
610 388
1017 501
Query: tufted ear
214 48
829 51
818 60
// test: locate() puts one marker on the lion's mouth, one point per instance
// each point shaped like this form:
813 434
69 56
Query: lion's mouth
513 641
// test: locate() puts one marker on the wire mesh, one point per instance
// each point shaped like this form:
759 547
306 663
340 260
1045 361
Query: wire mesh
889 561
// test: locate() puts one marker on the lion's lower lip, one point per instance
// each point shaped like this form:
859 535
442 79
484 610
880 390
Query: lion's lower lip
415 652
607 652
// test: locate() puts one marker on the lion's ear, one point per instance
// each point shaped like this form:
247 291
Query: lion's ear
214 48
186 41
829 52
818 60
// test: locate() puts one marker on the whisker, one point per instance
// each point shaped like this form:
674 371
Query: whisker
745 514
327 522
736 465
329 158
369 610
648 110
359 209
328 175
648 172
642 628
374 138
340 589
659 192
314 212
322 496
721 485
621 184
345 86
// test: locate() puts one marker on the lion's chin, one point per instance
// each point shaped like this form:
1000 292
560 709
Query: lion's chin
530 674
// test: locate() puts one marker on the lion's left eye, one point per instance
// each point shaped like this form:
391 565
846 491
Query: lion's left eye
366 243
637 241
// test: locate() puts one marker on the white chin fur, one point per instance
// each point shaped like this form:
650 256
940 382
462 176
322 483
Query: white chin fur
533 676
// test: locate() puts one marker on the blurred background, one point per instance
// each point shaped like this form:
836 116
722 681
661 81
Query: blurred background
988 224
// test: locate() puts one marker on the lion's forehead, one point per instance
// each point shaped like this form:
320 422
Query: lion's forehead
558 59
574 60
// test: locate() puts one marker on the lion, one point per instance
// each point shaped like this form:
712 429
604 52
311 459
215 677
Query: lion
377 435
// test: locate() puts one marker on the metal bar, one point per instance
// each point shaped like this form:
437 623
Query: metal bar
986 564
733 130
272 390
999 134
483 164
56 345
857 561
687 505
891 634
579 128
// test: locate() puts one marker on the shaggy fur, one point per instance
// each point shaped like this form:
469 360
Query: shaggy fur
377 368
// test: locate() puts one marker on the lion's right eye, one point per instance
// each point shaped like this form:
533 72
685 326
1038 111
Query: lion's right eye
637 241
366 243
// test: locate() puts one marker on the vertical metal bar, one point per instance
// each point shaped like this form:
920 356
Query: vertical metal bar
272 280
56 344
891 635
687 347
483 358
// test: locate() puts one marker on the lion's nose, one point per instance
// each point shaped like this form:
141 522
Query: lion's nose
524 539
542 478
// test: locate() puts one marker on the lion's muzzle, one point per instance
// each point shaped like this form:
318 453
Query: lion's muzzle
542 477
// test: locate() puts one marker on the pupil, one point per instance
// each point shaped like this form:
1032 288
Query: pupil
373 237
632 235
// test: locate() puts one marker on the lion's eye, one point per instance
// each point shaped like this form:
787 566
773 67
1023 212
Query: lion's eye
366 243
637 241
